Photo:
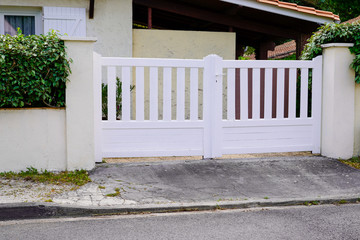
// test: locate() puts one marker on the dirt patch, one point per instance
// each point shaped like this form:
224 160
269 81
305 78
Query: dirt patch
233 156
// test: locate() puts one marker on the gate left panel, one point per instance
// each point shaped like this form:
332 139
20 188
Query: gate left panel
151 107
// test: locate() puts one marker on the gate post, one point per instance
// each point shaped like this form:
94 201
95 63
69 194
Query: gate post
80 122
97 106
213 106
338 102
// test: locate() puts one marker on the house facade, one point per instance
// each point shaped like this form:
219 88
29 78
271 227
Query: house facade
257 23
111 25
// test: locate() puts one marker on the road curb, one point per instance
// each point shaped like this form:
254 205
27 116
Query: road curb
48 210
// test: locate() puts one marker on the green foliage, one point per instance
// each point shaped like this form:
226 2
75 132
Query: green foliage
335 33
115 194
290 57
353 162
78 177
33 70
104 98
345 9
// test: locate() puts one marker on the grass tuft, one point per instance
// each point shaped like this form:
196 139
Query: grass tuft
353 162
77 177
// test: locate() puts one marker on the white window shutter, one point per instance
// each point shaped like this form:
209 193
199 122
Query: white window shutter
69 21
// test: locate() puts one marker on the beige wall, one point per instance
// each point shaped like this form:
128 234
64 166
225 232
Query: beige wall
184 45
32 138
111 25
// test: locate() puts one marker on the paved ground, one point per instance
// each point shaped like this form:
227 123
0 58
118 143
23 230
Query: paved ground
196 183
325 222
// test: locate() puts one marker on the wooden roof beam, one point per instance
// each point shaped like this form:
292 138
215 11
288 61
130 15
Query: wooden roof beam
219 18
91 9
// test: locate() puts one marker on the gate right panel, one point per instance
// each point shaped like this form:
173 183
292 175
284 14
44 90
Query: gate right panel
278 106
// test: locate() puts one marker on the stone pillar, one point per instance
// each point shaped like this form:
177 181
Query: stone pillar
338 102
80 109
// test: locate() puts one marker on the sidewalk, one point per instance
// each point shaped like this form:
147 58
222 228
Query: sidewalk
200 185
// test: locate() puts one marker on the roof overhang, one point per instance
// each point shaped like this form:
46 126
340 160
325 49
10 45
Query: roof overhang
290 10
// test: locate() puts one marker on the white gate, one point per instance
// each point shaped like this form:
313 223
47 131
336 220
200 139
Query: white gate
210 107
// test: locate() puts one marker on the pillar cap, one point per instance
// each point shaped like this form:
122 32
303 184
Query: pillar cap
329 45
79 39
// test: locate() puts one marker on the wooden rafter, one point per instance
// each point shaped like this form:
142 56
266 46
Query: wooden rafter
91 9
206 15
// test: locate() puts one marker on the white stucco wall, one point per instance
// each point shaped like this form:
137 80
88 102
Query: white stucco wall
112 23
32 138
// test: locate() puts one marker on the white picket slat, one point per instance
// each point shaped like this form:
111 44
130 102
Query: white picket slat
256 94
125 81
268 94
280 93
194 94
111 78
167 94
292 93
231 94
154 95
139 93
180 94
304 93
244 102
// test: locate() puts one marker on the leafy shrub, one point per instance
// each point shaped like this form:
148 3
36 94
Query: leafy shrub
335 33
104 98
33 70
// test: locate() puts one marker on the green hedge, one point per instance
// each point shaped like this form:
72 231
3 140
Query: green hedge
34 70
335 33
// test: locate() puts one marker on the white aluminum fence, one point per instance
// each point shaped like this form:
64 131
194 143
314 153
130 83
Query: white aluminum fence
210 107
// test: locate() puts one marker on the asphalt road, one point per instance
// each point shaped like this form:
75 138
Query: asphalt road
302 222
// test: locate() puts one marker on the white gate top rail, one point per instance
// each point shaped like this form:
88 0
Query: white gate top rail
268 64
152 62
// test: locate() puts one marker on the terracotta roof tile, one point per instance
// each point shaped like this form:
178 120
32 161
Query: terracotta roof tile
357 19
308 10
283 50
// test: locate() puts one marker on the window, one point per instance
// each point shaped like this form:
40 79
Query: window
27 19
25 23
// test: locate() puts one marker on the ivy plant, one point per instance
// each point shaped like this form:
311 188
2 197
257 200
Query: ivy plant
34 70
335 33
118 104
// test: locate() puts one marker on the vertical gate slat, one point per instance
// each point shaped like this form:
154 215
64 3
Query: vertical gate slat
154 95
292 93
167 94
111 78
316 102
231 94
280 93
125 81
244 106
194 93
268 93
256 94
304 92
180 94
139 93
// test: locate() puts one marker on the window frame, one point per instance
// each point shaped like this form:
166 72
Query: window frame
22 11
